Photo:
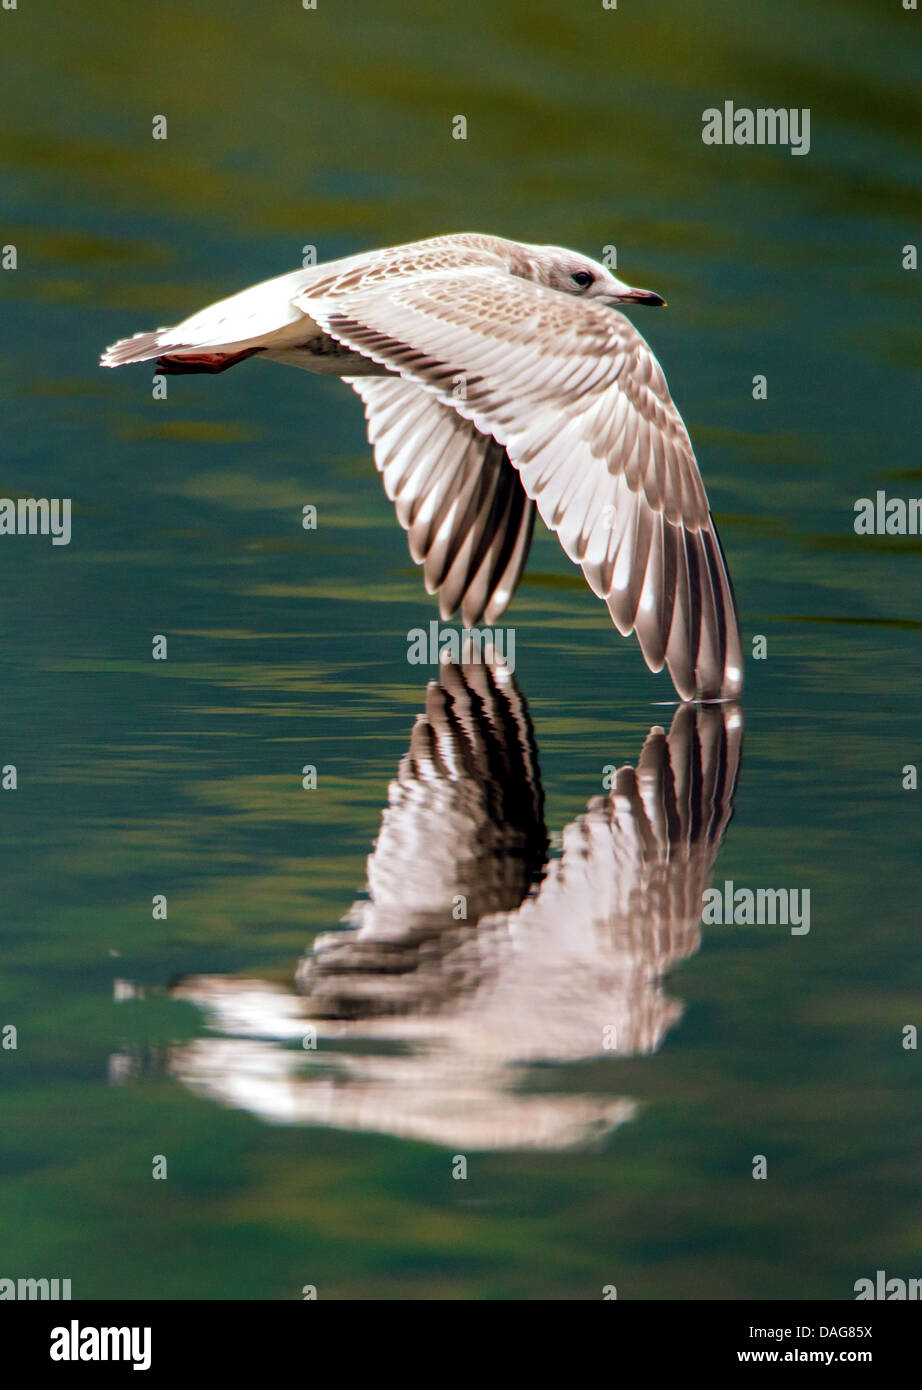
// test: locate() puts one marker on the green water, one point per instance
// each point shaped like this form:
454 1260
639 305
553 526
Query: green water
183 778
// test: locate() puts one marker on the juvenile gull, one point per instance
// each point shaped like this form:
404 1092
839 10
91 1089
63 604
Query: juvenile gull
498 377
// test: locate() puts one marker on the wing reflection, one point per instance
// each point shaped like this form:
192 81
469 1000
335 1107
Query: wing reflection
474 955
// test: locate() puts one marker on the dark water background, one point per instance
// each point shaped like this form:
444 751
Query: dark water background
332 127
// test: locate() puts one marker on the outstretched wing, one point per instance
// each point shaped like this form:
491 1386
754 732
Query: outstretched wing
468 520
575 396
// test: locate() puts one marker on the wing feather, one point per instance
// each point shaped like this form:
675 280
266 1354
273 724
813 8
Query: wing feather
468 520
572 394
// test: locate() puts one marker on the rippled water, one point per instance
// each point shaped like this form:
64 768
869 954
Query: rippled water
626 1159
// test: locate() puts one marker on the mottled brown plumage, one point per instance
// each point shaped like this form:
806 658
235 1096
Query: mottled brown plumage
499 377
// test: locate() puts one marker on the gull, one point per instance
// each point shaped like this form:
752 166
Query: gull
498 378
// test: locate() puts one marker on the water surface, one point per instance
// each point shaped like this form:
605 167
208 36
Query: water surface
290 128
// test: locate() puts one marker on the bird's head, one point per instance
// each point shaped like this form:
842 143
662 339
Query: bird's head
570 273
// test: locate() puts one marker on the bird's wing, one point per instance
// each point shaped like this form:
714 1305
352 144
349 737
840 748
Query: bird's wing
576 397
468 520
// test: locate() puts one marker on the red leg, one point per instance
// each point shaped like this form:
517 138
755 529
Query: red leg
202 362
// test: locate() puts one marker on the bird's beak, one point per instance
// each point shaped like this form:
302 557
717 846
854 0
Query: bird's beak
641 297
617 292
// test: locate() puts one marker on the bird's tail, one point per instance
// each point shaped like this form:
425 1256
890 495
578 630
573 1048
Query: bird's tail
140 348
172 358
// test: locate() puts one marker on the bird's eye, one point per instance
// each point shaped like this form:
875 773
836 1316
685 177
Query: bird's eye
583 278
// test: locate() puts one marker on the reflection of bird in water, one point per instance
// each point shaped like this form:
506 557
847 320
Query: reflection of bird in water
556 960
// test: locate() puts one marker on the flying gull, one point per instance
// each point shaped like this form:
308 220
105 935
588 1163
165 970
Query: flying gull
498 377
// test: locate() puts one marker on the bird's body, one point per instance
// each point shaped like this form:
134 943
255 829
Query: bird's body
498 377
